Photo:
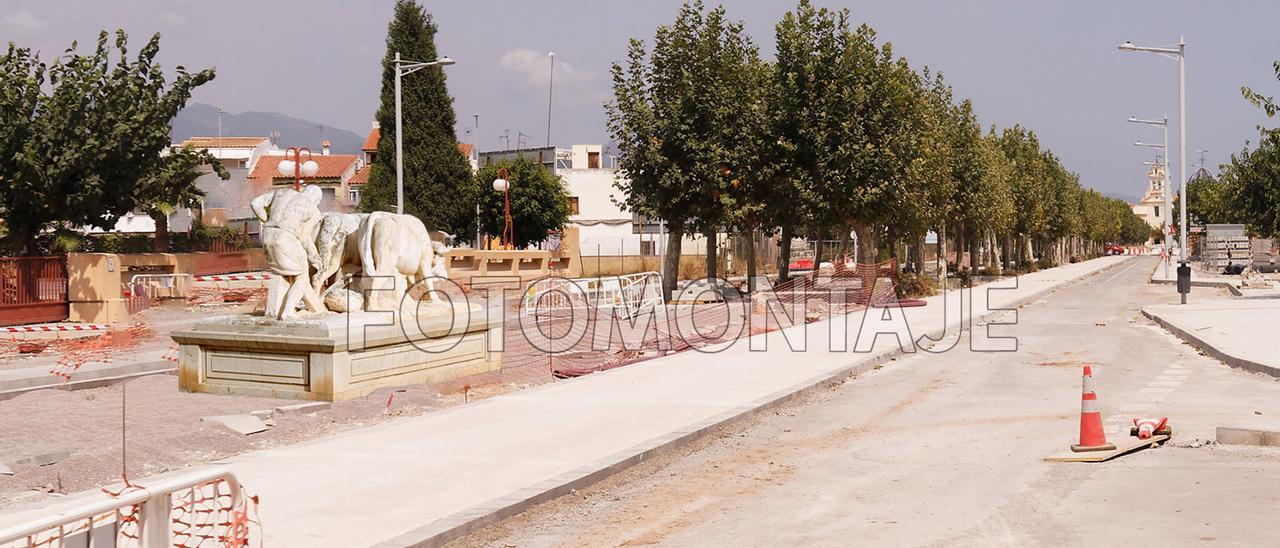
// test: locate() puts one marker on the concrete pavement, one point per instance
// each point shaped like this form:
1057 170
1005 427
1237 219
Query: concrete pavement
431 478
1238 332
946 450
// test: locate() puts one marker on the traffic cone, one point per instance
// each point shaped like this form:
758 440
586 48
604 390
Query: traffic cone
1092 436
1145 428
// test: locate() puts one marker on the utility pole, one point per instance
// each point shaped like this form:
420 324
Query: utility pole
551 86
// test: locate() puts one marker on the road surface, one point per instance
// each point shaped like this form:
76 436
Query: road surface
947 449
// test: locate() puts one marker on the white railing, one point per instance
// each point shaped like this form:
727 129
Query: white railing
108 521
626 296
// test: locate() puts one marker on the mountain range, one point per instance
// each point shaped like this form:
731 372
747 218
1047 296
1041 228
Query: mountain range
201 120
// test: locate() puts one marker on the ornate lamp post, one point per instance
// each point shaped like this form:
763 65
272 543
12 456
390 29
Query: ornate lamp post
404 67
297 167
501 184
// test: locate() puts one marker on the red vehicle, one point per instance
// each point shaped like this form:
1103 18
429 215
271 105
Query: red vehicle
1113 250
801 264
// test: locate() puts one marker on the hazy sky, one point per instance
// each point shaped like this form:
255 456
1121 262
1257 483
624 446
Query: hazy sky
1053 67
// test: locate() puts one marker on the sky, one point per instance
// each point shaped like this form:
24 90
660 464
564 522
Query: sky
1053 67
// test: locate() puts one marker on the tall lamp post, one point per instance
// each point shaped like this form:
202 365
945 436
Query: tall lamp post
501 184
1168 198
297 167
403 68
1178 54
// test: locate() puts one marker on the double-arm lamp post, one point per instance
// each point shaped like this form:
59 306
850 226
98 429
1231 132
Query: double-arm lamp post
405 67
1178 54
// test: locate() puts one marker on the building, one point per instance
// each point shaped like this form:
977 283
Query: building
333 176
233 152
369 151
1152 206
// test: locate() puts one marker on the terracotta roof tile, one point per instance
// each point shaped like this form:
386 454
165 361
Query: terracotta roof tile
361 177
224 142
332 166
465 149
371 142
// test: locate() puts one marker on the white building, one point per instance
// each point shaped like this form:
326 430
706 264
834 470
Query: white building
605 229
1152 206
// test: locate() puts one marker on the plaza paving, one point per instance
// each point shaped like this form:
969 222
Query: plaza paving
442 474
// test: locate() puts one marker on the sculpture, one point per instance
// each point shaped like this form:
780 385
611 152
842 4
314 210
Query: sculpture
289 220
311 252
397 249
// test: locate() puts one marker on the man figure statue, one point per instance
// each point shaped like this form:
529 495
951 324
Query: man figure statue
289 222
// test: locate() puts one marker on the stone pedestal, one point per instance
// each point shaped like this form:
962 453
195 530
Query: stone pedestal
334 356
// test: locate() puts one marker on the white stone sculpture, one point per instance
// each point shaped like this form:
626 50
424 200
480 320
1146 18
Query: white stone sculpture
289 222
396 251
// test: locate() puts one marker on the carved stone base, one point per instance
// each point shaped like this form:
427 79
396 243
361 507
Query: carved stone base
334 356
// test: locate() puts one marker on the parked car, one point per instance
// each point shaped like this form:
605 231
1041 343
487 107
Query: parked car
1113 250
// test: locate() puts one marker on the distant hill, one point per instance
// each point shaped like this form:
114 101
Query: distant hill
201 120
1130 198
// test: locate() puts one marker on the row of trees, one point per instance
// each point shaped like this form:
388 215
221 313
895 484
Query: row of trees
1248 187
835 135
81 140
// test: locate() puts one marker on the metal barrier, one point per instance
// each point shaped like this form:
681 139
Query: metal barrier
188 509
33 290
626 296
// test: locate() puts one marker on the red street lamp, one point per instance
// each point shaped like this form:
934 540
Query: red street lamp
297 168
501 184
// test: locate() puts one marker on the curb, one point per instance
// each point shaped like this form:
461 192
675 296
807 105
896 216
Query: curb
1231 361
1247 436
445 530
83 379
1233 289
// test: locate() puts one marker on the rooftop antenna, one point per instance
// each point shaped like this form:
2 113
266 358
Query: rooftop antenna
506 138
1202 157
521 138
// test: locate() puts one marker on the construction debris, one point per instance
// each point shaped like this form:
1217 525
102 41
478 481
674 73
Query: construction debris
241 424
304 408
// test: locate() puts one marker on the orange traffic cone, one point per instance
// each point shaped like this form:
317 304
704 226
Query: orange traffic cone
1092 437
1145 428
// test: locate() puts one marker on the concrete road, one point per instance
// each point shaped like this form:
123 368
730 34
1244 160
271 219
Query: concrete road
947 449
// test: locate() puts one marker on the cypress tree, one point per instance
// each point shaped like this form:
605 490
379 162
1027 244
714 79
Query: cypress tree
438 185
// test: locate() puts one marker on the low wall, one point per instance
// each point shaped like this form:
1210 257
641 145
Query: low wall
96 281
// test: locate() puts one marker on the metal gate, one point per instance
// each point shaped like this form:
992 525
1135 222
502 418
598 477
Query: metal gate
33 290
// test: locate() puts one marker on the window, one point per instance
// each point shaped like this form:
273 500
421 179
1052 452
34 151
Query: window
647 247
353 197
1157 211
593 160
573 205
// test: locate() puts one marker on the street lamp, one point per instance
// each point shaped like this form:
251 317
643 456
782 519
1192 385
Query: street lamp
1178 54
403 68
1168 198
297 167
501 184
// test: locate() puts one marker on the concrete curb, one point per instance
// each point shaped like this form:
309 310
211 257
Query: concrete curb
1232 361
442 531
92 378
1247 436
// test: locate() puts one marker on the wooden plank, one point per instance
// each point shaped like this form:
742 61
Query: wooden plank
1123 445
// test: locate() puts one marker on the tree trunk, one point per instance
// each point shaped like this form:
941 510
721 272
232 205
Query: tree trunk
942 254
751 261
671 272
868 247
817 252
784 253
710 235
972 239
162 232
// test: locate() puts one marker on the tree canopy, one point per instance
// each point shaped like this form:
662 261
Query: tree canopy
78 137
539 200
438 183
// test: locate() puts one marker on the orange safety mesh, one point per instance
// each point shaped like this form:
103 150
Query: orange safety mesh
100 349
202 515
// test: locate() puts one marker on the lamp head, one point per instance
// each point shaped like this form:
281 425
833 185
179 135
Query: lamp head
286 168
501 185
1128 46
310 168
1133 118
446 60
